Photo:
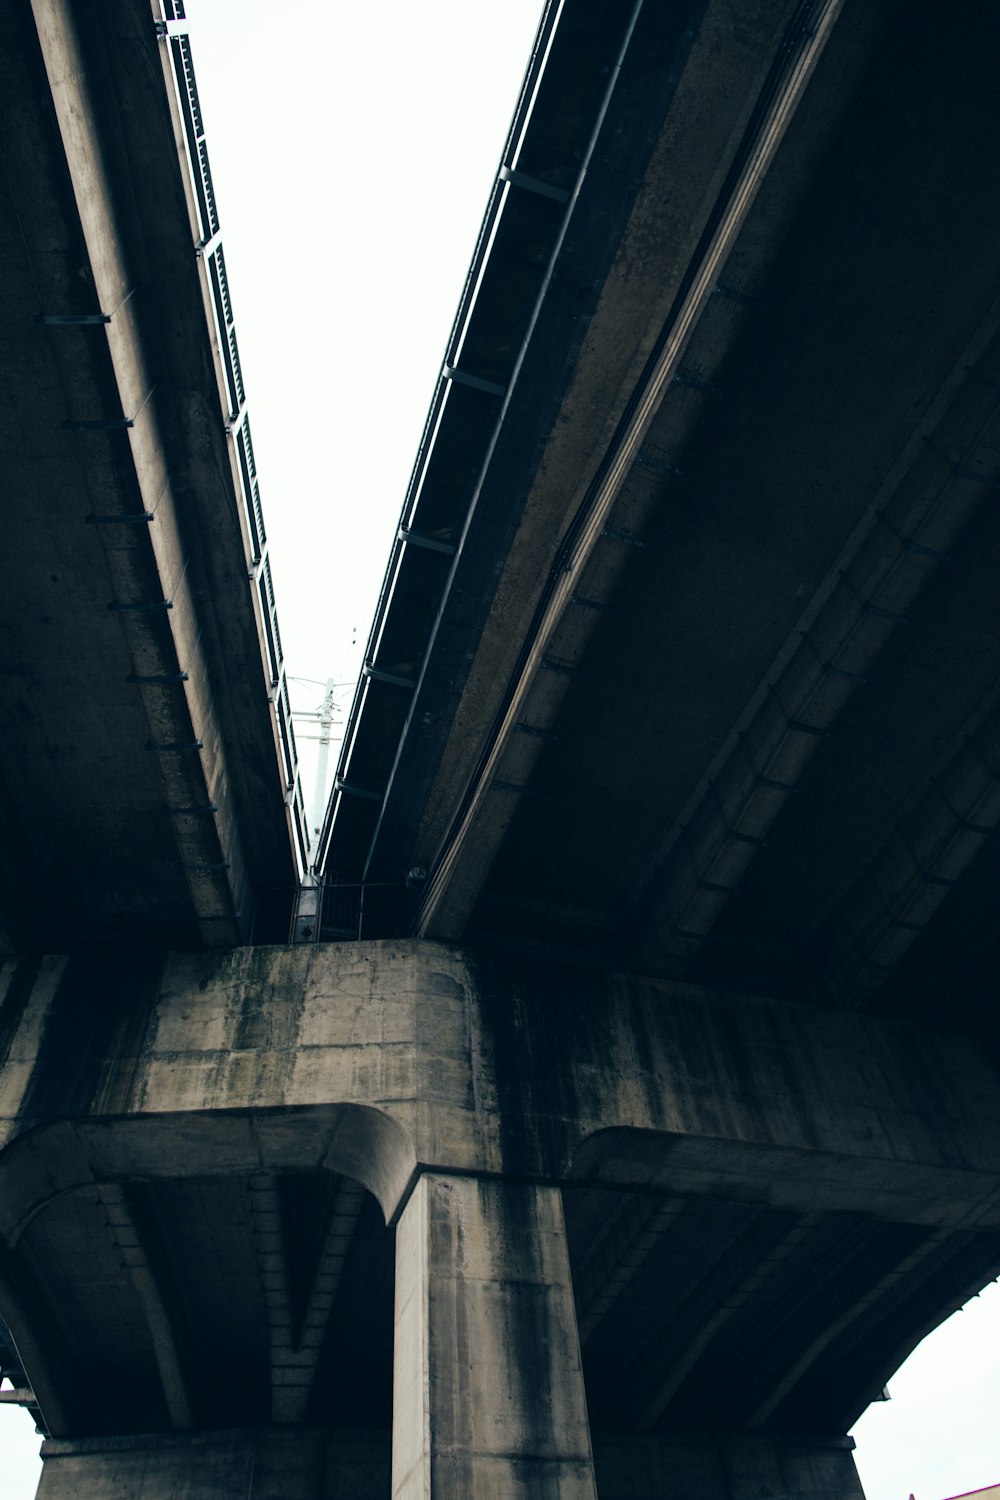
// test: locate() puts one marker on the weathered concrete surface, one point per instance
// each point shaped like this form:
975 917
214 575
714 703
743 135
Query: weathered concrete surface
255 1464
745 1211
488 1398
727 1469
376 1059
268 1464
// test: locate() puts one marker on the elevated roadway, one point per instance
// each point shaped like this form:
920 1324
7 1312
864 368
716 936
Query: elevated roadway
638 1110
706 687
148 779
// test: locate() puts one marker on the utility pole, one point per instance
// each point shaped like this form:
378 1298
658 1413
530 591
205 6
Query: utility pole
325 728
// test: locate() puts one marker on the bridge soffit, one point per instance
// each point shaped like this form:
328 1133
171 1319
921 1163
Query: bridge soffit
917 505
162 430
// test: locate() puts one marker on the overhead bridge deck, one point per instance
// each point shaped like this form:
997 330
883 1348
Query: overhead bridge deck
650 1113
148 776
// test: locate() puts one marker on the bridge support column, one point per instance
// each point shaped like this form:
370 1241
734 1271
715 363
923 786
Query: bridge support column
489 1397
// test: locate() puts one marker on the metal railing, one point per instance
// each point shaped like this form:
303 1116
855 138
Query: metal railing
171 28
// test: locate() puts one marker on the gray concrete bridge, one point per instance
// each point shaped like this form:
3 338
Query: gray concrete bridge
149 784
628 1106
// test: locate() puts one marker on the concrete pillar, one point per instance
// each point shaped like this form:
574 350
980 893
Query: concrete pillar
488 1398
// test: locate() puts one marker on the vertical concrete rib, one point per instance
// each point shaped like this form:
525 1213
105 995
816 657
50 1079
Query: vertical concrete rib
295 1352
620 1251
914 517
884 912
903 1269
170 664
748 1288
129 1245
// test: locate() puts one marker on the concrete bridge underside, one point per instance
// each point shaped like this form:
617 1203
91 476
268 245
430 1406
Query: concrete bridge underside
712 1223
660 1119
711 689
140 789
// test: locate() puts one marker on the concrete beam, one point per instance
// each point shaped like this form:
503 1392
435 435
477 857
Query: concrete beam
272 1464
622 1247
127 1242
462 863
248 1464
749 1286
34 1349
914 518
883 914
379 1060
771 1399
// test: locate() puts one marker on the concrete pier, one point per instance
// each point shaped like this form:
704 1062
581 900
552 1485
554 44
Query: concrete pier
508 1230
489 1396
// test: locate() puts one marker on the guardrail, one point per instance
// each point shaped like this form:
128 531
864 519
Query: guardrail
546 158
171 27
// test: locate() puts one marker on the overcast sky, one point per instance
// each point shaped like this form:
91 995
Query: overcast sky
352 150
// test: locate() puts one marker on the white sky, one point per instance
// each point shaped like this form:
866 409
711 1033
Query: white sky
352 150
